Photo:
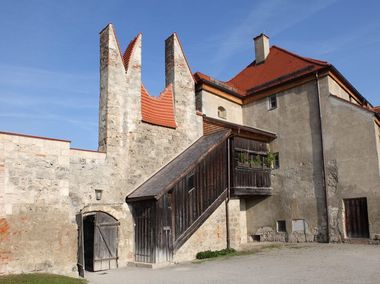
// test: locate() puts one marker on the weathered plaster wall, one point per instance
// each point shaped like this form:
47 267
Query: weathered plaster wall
211 102
352 165
297 184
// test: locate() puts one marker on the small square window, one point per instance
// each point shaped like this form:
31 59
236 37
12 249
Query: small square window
276 161
281 226
272 102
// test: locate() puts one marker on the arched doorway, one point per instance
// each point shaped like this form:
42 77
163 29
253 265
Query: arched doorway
100 241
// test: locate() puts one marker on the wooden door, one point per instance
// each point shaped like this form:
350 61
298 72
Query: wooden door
106 229
145 236
80 256
356 216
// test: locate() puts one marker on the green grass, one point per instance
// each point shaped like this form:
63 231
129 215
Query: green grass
40 278
215 253
225 253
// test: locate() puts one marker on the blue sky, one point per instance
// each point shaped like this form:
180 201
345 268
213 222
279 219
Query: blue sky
49 51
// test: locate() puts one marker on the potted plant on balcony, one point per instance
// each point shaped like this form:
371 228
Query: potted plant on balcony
269 160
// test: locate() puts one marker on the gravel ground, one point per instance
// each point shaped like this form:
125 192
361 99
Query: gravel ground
302 263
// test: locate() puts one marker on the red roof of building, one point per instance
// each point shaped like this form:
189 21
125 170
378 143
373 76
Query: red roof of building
377 109
128 52
154 110
158 110
280 66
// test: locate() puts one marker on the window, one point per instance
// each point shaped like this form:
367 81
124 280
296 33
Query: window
222 113
190 183
281 226
276 160
272 102
170 198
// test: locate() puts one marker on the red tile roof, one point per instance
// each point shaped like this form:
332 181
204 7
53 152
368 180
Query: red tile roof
154 110
280 66
128 52
377 109
158 110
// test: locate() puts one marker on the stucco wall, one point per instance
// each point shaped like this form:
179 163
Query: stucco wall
297 184
377 133
352 165
211 102
351 161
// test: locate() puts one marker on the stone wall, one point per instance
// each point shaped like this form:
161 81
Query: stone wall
139 149
45 185
212 234
297 185
37 227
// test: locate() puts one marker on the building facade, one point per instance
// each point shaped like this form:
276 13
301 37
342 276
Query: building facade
287 150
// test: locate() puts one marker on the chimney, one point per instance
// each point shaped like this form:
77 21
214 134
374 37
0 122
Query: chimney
261 48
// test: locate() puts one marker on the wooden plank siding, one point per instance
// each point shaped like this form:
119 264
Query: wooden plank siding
162 226
210 181
169 218
145 230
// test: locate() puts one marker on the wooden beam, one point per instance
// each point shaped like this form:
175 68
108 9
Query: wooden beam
252 191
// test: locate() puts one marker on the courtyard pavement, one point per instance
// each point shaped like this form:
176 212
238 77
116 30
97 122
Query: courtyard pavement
299 263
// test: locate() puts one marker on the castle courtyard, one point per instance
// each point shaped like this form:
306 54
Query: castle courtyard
295 263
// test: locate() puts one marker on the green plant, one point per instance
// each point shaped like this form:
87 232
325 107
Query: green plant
256 162
269 160
216 253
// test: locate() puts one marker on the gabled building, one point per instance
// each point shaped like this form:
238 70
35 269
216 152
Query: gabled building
287 150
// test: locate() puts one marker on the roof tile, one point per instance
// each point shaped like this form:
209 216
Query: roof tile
280 66
158 110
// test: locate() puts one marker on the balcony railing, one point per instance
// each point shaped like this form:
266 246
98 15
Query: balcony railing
251 181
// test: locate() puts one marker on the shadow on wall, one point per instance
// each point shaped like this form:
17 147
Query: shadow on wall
317 166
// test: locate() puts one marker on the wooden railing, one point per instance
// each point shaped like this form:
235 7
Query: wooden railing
248 181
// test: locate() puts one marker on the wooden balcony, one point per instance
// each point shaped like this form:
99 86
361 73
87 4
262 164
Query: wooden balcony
251 182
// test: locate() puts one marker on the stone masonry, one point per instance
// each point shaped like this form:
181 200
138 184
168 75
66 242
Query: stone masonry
45 185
